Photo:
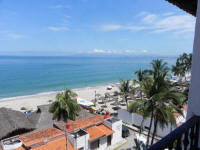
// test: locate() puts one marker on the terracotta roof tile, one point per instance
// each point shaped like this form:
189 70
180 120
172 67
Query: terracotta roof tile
40 136
94 133
59 144
105 129
84 123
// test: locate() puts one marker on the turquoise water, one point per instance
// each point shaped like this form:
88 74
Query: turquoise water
30 75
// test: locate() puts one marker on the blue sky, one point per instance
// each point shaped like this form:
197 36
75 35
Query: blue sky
66 27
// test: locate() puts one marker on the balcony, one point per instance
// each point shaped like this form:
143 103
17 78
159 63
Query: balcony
184 137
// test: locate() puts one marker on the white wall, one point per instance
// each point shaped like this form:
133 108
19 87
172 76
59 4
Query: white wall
194 94
133 118
79 142
83 142
103 143
117 135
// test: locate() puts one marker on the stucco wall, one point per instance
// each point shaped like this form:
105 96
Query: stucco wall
133 118
194 94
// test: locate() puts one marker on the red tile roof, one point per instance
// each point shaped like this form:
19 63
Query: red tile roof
40 136
107 131
59 144
96 132
84 123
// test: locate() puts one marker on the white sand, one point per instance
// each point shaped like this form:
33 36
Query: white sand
32 101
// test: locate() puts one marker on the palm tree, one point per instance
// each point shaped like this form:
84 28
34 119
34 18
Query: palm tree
65 107
141 75
125 88
159 106
166 103
144 106
183 65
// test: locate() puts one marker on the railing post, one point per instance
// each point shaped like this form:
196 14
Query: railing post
185 137
196 134
192 138
186 141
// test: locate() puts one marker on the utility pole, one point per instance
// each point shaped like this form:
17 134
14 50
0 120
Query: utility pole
95 97
67 148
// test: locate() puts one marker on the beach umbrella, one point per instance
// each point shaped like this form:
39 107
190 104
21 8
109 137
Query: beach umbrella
103 106
107 95
98 95
115 93
115 103
116 108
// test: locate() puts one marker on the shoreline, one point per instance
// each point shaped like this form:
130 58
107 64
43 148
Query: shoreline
32 101
57 91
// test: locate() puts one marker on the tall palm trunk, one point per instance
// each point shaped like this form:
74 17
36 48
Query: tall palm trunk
66 136
155 129
126 99
148 136
141 127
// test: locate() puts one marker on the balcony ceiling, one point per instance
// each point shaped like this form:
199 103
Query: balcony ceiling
189 6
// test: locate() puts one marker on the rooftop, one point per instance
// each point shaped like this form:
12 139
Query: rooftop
12 121
40 136
58 144
94 133
112 120
105 129
84 123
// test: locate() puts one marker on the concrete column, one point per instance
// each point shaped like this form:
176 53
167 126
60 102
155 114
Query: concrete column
194 94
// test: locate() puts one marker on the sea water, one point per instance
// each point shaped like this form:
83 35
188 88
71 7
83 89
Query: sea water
25 75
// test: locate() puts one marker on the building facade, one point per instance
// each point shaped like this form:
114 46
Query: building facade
94 133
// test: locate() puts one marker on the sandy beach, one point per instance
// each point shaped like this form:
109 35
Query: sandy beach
32 101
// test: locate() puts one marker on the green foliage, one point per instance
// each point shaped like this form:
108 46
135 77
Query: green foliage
139 145
161 101
183 64
65 106
125 89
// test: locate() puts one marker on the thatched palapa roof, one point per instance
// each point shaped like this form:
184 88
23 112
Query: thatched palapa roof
189 6
13 121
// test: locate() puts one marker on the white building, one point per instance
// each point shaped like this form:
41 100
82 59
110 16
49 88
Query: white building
93 133
96 135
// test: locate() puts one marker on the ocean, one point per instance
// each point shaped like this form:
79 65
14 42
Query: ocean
25 75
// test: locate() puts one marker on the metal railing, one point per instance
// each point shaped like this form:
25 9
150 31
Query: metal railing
182 138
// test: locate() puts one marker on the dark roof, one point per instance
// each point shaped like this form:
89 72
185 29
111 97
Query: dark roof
12 121
189 6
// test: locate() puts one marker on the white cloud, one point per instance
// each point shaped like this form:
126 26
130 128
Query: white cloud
103 51
67 16
111 27
149 18
56 29
15 36
59 6
135 28
115 27
168 14
130 51
177 24
120 52
169 22
145 51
